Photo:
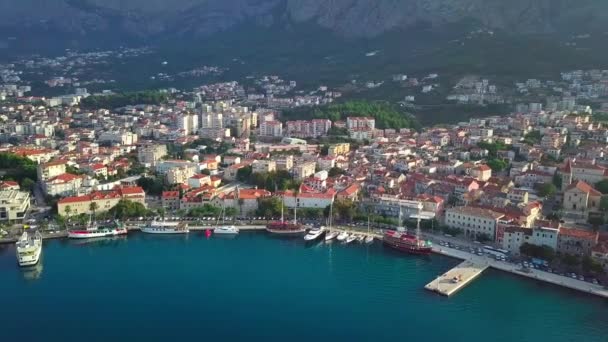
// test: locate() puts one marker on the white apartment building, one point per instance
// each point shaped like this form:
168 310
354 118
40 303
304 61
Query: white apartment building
188 122
360 122
13 204
180 174
473 221
51 169
271 128
151 153
304 170
123 138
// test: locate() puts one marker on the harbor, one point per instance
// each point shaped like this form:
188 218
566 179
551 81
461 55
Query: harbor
446 284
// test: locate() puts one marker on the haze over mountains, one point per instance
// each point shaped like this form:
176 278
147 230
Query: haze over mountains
354 18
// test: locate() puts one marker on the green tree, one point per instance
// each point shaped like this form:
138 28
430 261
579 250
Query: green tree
125 209
602 186
546 189
335 171
68 211
28 184
269 207
542 252
93 207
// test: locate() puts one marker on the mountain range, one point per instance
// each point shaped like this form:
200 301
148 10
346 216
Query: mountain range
349 18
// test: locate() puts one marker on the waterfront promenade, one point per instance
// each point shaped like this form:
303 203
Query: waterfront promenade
535 274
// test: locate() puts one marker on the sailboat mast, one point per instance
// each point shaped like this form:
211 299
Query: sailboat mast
418 222
282 202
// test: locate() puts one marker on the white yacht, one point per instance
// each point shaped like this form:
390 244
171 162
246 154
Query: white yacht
369 239
314 234
225 230
163 227
350 238
332 234
342 236
29 248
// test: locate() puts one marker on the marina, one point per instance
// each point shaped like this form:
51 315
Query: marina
446 284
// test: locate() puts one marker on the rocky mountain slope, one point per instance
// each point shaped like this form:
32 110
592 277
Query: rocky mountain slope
367 18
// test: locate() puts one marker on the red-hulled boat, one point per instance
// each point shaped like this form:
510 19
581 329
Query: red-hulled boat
408 243
285 228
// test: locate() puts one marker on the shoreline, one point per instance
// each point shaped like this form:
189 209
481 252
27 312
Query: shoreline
533 274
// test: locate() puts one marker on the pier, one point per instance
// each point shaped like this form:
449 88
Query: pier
455 279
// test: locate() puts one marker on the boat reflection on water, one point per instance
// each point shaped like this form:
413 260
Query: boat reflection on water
100 241
32 273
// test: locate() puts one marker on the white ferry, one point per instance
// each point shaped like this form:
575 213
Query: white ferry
162 227
94 231
29 248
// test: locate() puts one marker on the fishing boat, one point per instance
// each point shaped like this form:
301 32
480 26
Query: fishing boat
330 235
163 227
314 234
286 228
342 236
93 230
29 248
402 241
350 238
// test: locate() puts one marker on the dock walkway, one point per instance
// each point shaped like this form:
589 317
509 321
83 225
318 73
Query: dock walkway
458 277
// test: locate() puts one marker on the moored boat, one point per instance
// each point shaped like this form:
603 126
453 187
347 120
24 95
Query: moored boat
286 228
330 235
94 231
29 248
350 238
369 239
342 236
406 242
228 230
163 227
314 234
360 238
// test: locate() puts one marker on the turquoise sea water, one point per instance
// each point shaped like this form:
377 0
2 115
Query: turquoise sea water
256 287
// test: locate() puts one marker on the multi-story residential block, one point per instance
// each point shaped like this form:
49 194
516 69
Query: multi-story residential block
473 221
119 137
13 205
263 166
150 154
65 184
271 128
303 170
581 198
284 162
576 241
51 169
338 149
104 200
188 123
180 174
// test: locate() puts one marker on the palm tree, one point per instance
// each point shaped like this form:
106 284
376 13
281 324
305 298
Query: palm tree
161 212
93 207
68 211
241 202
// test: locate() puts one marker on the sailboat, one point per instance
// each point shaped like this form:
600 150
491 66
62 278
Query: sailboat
404 242
369 238
223 229
286 228
331 234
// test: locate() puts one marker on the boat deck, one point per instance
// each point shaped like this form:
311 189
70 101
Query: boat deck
455 279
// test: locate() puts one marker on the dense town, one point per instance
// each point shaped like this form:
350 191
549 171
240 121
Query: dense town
532 184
